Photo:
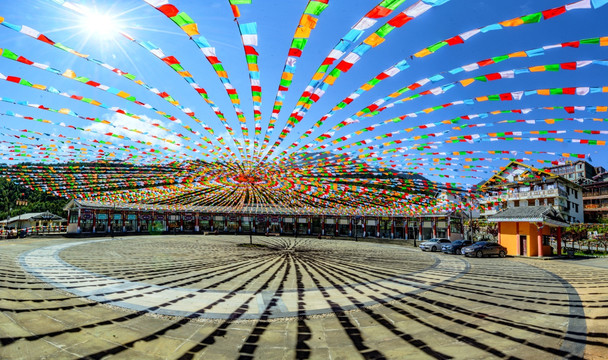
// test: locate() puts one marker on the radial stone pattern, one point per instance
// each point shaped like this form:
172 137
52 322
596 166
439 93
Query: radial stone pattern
277 277
201 297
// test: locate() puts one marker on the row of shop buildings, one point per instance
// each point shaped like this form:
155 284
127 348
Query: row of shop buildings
89 218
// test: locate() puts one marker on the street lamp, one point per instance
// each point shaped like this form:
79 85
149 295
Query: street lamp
20 203
8 217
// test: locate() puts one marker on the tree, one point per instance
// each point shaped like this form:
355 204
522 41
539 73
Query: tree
576 233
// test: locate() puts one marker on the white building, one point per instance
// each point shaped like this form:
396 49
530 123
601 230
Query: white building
518 185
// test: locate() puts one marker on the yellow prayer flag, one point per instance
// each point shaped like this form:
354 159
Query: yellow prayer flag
330 80
69 74
308 21
512 22
537 68
467 82
318 76
190 29
422 53
518 54
374 40
302 32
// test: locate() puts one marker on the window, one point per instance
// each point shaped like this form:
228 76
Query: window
576 194
546 240
73 216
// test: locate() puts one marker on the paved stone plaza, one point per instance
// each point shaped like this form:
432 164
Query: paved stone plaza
213 297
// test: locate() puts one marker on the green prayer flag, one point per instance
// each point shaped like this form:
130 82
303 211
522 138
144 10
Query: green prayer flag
532 18
182 19
315 8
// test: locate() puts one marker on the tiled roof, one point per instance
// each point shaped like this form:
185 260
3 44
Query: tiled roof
545 214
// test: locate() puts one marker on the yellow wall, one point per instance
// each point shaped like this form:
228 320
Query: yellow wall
509 237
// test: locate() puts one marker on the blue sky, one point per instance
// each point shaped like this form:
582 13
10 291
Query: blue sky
277 21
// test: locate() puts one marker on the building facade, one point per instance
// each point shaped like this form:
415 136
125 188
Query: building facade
88 218
580 171
595 187
521 185
35 222
595 200
528 231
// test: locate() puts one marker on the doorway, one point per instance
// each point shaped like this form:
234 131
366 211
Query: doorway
522 245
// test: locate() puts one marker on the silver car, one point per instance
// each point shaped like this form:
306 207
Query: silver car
434 244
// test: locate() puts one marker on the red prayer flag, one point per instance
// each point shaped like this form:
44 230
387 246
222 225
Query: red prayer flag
547 14
169 10
42 37
455 40
568 66
378 12
399 20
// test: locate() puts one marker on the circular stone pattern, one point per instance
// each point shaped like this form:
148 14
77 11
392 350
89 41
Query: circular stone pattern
218 277
406 304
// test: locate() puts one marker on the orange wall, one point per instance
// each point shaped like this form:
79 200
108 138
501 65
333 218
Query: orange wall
509 237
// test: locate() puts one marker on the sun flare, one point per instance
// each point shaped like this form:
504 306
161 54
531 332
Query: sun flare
100 25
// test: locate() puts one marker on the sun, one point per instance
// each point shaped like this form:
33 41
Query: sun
100 25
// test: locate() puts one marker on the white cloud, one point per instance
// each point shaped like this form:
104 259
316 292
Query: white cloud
145 129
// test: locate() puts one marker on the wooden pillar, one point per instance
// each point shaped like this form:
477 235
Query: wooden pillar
364 227
392 228
378 227
449 230
539 231
350 226
420 229
518 242
322 226
211 222
559 241
94 221
434 227
77 226
406 228
499 233
462 227
196 221
308 223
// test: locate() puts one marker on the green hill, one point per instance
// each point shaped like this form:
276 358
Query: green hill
37 201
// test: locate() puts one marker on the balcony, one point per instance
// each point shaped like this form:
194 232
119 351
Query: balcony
489 212
535 194
596 207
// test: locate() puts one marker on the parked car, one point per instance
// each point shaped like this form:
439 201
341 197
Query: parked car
455 246
482 248
434 244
